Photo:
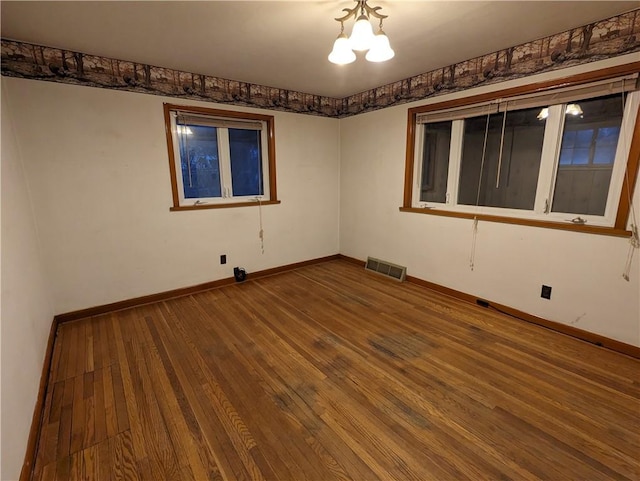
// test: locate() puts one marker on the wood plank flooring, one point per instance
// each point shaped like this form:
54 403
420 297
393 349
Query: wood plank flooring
331 373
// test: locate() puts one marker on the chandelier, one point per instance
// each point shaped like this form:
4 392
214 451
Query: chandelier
362 37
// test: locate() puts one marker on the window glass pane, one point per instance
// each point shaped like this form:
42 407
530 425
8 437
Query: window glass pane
521 155
583 138
586 163
606 144
435 162
199 161
568 143
246 162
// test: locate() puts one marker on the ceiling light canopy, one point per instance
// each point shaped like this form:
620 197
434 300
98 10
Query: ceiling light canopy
362 37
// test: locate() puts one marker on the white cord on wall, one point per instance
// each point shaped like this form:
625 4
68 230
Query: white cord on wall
472 257
634 243
261 231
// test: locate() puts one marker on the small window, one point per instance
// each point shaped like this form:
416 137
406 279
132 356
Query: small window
220 158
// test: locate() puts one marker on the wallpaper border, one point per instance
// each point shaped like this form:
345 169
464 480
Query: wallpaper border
611 37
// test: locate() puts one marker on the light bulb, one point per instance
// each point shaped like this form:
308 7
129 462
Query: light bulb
380 50
362 34
342 53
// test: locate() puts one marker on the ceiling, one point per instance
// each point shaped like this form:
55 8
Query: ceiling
285 44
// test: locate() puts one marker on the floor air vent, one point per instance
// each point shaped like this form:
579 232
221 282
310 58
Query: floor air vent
386 268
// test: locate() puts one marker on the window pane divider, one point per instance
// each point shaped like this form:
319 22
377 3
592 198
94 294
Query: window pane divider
225 167
549 160
455 156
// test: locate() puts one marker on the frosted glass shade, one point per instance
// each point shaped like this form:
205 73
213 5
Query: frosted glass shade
362 34
380 50
342 53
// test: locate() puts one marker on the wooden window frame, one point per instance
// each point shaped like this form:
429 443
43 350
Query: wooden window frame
271 147
633 161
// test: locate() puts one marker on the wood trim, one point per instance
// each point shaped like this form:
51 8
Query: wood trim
630 178
633 162
172 160
537 87
271 134
583 335
291 267
353 260
271 141
38 410
222 206
409 159
183 291
590 229
220 113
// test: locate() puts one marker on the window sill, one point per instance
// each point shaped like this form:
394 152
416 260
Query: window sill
222 206
589 229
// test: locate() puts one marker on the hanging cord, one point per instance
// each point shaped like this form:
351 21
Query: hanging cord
634 240
474 237
634 243
261 232
484 153
472 256
504 123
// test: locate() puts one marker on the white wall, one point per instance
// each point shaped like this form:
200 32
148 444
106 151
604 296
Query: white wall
86 221
27 312
97 164
511 262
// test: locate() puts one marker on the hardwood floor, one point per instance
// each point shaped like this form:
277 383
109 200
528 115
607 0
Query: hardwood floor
331 373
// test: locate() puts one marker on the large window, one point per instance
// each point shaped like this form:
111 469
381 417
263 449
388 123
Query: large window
220 158
558 156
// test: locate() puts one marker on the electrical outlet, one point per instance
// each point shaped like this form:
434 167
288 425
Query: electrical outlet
223 259
482 303
546 292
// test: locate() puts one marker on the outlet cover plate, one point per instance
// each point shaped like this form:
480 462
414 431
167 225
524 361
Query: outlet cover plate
546 292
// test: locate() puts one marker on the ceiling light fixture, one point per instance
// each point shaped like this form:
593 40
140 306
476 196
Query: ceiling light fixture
362 37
